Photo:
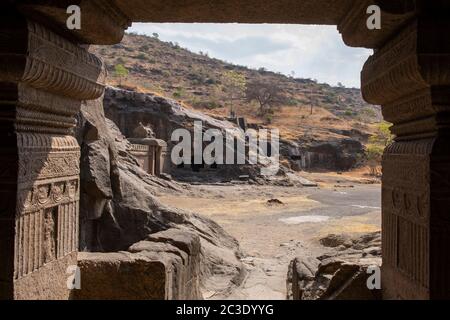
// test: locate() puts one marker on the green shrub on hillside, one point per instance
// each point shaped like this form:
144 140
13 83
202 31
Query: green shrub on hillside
210 105
179 93
121 72
348 113
141 56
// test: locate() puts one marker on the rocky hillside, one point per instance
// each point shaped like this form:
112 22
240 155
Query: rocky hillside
199 81
320 126
163 116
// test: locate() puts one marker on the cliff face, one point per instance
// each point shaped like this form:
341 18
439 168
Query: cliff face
129 108
118 206
343 151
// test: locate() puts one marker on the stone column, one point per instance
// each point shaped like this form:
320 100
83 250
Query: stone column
160 158
151 159
410 77
43 78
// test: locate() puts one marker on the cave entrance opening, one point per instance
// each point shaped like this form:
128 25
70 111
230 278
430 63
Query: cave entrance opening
276 219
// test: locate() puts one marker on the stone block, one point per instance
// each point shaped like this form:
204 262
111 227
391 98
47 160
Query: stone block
164 267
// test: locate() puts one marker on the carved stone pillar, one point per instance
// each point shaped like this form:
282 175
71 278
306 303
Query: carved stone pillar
43 78
410 77
155 153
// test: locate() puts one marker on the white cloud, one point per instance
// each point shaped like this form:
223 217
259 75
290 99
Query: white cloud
316 52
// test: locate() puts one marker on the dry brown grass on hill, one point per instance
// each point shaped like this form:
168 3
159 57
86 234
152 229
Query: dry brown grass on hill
197 81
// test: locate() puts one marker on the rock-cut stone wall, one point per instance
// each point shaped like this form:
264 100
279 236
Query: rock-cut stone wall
124 229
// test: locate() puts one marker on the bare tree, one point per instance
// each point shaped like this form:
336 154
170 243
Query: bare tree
267 93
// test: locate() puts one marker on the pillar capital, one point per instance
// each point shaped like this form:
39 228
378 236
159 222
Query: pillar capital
44 78
410 78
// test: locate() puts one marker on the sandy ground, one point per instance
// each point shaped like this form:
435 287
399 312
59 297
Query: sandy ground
272 235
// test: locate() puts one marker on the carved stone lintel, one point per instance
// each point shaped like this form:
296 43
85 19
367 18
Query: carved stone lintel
353 26
102 21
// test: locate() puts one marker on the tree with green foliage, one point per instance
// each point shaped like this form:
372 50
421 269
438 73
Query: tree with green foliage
383 135
377 143
374 155
121 72
235 85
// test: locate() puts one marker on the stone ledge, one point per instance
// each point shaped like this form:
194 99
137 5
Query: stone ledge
150 271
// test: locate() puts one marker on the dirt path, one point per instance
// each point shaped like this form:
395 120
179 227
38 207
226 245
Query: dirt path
271 235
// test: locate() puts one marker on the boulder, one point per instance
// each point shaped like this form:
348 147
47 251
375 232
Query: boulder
335 240
148 270
338 275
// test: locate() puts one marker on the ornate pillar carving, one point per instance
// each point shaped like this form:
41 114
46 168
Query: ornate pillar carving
410 77
43 78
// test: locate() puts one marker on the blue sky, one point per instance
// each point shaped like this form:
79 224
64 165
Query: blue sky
315 52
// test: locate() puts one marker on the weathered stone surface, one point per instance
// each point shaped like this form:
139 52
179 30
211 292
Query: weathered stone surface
336 240
134 214
342 153
49 283
166 266
339 275
43 78
120 275
409 78
408 75
128 109
350 15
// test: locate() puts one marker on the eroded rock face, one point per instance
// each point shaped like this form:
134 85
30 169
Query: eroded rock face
118 208
340 154
121 276
339 275
129 109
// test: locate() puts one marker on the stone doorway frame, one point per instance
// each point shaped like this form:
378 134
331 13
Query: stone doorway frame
46 71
